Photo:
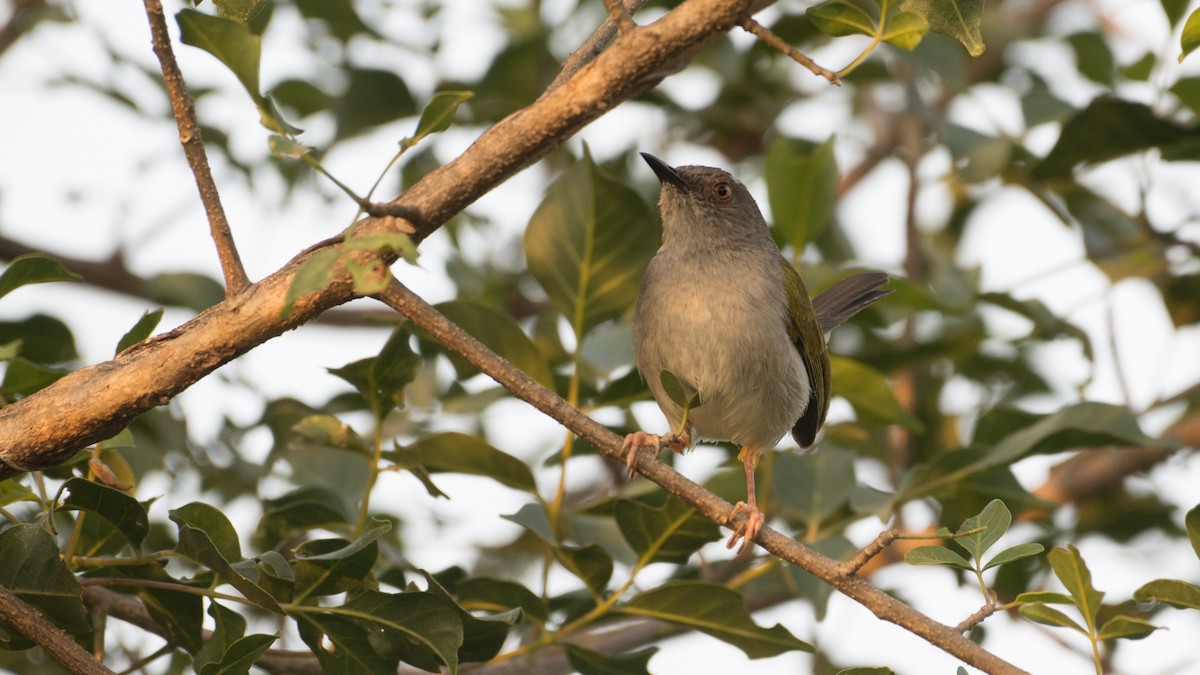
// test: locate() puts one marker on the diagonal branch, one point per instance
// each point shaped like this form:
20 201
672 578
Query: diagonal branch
884 606
34 625
236 280
766 35
94 403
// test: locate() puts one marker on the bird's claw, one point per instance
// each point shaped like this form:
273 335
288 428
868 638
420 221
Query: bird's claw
640 439
748 529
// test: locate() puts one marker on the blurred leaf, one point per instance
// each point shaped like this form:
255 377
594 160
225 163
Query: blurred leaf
499 332
322 564
1083 425
869 392
31 569
437 115
1046 326
588 243
455 452
670 533
240 10
958 19
1180 294
24 378
381 379
936 555
813 486
124 512
1049 616
1014 553
838 18
533 517
44 339
905 30
592 564
1128 627
305 508
978 157
717 611
588 662
994 519
1093 59
801 188
1190 38
373 97
227 39
1070 569
1109 128
1044 597
864 670
141 330
185 289
1192 522
677 391
339 16
33 268
302 96
1176 593
1174 9
1142 69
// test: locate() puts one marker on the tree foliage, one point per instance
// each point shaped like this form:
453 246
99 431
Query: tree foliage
295 547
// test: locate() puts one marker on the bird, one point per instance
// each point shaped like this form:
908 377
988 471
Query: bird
729 317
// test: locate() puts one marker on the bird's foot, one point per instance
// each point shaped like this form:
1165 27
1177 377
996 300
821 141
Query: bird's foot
636 441
748 529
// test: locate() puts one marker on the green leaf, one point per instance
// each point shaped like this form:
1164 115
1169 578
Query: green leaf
372 97
592 564
1192 522
437 115
499 332
839 18
393 243
1093 57
1128 627
240 10
381 379
994 519
141 330
229 40
493 595
670 533
674 387
1014 553
241 656
483 635
1176 593
588 662
869 392
1109 128
422 628
196 545
1044 597
314 274
905 30
228 627
1190 38
588 243
303 509
455 452
1083 425
322 565
343 646
936 555
1049 616
213 523
533 517
185 289
31 569
958 19
33 268
124 512
23 377
717 611
813 486
801 189
1070 569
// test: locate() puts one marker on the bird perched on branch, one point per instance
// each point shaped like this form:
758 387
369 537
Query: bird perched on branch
724 332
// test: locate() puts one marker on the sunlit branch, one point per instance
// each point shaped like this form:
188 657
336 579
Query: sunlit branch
770 38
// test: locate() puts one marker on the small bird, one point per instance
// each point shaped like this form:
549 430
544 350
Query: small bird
729 317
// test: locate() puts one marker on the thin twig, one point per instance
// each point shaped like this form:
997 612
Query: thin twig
766 35
31 623
234 272
976 618
885 538
884 606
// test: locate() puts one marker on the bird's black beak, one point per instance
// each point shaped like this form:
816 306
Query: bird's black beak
665 173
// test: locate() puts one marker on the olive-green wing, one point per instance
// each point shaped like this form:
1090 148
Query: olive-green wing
805 332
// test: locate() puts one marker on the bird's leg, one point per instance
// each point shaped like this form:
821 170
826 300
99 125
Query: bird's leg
640 439
748 530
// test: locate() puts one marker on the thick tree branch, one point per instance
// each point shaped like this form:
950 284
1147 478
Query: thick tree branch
884 606
95 402
236 280
34 625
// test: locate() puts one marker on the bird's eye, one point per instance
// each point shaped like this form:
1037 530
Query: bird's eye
722 192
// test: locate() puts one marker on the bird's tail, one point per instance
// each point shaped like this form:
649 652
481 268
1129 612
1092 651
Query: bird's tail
847 297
